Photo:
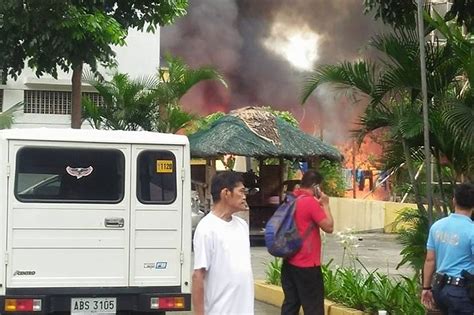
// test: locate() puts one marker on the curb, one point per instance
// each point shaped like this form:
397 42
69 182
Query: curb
272 294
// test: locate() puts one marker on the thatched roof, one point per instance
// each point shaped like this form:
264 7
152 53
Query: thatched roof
258 133
261 122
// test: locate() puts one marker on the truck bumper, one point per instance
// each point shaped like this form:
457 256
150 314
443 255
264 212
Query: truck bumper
140 300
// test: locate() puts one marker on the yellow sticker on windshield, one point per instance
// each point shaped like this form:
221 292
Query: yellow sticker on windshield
164 166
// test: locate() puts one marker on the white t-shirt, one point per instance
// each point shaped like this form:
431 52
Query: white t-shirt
223 249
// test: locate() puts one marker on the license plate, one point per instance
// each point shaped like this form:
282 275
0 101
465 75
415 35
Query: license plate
93 306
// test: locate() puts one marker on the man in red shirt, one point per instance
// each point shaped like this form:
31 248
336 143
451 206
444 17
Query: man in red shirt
301 276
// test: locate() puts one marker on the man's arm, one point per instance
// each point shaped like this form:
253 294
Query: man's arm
428 271
326 224
197 291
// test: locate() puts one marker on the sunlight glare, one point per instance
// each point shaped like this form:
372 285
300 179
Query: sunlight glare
299 47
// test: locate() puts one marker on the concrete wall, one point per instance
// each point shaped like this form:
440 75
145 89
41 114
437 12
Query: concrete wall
140 57
365 215
391 212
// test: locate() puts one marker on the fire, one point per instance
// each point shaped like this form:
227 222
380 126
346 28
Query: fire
365 159
366 156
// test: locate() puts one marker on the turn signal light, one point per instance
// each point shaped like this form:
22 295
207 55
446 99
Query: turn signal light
23 305
169 302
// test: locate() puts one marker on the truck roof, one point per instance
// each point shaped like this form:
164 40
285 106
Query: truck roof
93 136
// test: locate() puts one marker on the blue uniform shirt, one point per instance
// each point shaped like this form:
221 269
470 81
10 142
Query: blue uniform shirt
452 239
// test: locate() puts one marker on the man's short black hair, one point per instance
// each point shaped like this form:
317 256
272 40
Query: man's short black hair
310 178
222 180
464 196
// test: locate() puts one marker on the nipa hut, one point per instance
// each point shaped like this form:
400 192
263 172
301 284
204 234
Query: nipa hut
256 132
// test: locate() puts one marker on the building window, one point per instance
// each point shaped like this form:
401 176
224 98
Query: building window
54 102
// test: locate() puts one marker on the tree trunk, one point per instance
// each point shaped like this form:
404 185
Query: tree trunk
411 172
439 171
163 118
76 107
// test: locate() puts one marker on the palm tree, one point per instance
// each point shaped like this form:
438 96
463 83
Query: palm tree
149 103
174 82
174 119
126 104
457 112
393 88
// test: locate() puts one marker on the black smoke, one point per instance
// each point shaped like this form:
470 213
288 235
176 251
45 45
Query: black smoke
229 34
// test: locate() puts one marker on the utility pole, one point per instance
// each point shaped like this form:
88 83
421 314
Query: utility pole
426 127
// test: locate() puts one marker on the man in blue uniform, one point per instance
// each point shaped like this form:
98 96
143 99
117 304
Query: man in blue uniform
450 252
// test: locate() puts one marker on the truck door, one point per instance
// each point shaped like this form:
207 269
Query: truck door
156 215
68 215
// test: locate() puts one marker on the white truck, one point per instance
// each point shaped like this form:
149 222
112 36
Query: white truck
94 222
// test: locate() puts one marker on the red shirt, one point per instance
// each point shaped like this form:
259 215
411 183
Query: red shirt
308 210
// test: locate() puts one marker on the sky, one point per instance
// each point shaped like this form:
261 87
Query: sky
265 49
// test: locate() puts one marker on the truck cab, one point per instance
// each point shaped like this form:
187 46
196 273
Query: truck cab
94 222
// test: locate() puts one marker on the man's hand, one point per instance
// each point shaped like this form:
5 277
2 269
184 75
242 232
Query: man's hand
323 199
427 299
428 270
327 224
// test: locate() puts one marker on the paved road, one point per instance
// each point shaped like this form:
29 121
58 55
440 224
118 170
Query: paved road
374 250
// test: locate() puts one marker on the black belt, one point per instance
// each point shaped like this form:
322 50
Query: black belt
456 281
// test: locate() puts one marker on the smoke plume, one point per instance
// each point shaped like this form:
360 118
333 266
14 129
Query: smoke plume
231 35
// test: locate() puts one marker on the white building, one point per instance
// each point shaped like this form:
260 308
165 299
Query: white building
47 101
441 7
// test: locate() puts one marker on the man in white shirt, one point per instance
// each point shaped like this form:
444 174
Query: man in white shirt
222 278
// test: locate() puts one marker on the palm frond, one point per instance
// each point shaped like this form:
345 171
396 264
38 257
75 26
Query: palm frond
401 63
178 119
460 121
372 119
461 46
413 227
410 122
147 81
89 76
392 156
180 78
127 103
7 117
92 113
400 47
361 76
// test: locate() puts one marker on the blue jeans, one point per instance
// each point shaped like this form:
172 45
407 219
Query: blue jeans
452 300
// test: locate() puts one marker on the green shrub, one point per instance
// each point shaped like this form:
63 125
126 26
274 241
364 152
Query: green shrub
273 271
413 228
363 290
372 291
334 183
